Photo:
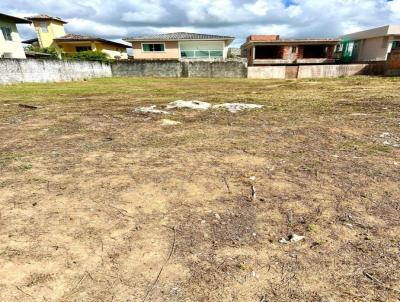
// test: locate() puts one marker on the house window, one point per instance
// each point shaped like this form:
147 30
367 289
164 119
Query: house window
396 45
202 54
83 48
153 47
216 54
43 27
6 33
294 49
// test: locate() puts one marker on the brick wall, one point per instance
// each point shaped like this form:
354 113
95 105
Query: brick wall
262 38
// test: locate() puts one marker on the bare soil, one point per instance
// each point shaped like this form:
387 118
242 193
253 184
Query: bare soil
95 197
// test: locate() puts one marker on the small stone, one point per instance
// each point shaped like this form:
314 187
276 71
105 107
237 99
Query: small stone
295 238
203 222
217 216
167 122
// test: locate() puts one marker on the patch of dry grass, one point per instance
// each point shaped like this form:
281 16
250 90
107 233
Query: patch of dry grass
90 191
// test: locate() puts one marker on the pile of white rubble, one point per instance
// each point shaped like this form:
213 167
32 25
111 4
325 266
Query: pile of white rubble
198 105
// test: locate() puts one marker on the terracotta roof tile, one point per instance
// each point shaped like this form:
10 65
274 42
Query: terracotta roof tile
178 36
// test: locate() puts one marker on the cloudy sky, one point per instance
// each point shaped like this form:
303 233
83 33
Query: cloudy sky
114 19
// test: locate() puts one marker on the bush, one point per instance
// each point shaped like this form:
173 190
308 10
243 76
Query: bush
54 52
88 56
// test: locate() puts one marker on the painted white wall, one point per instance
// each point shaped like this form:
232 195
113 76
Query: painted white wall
375 49
204 45
15 46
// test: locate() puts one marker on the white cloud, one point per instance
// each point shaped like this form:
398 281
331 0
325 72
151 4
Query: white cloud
258 8
144 12
239 18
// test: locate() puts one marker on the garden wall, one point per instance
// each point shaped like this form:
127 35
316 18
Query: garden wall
315 71
31 70
228 69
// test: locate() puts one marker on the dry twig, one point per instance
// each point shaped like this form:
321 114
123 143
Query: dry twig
162 267
369 276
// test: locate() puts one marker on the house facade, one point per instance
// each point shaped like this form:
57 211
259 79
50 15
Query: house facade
370 45
51 33
10 41
180 46
271 50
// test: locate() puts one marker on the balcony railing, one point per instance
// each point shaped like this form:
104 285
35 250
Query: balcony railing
202 54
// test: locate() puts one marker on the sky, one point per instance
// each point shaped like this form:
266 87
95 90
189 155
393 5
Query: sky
115 19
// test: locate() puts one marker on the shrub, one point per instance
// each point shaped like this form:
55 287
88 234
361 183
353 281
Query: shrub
88 56
54 52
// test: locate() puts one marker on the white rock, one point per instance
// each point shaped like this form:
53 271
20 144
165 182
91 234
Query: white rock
284 241
384 134
217 216
196 105
151 109
292 238
358 114
167 122
235 107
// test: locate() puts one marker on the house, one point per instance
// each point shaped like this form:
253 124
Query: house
180 45
271 50
50 33
370 45
10 42
234 52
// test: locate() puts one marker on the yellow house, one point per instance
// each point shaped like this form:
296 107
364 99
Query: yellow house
10 42
50 33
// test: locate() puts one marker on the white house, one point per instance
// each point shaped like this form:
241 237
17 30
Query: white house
371 45
10 42
180 45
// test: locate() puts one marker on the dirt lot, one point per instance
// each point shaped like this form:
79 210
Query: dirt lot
96 199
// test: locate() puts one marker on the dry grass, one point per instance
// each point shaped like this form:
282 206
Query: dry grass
90 192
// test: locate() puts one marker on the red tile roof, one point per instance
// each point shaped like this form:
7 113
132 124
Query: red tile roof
46 17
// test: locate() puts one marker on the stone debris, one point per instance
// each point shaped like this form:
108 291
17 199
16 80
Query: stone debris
196 105
167 122
390 140
151 109
358 114
235 107
292 238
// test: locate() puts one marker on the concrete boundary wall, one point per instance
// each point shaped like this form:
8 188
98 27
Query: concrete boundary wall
32 70
147 69
228 69
40 71
315 71
266 72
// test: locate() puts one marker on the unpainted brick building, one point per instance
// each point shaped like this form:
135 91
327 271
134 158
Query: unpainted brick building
271 50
